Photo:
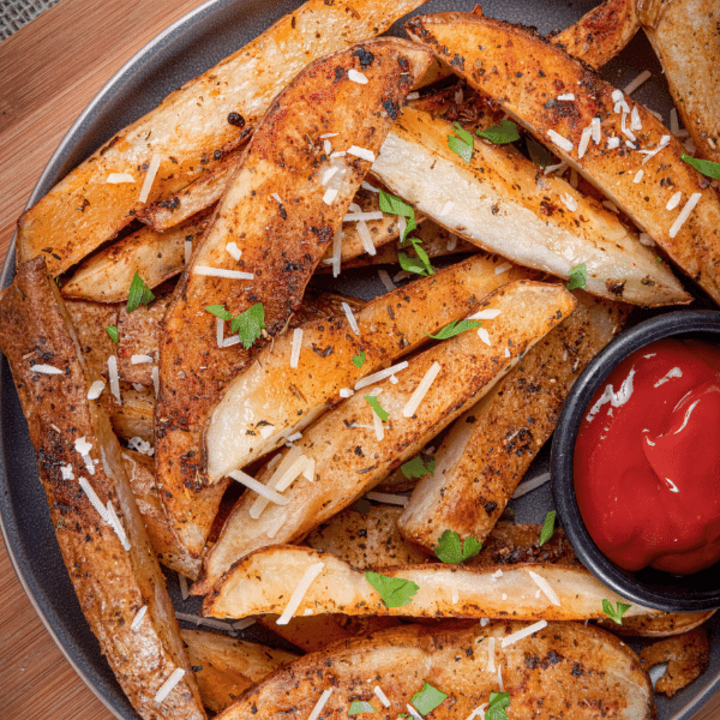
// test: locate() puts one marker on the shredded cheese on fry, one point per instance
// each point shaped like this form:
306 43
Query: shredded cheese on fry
95 390
357 77
117 178
141 359
137 620
266 492
632 86
380 375
544 585
233 250
381 696
46 369
562 142
296 347
153 167
421 390
299 593
222 273
674 201
350 317
362 153
684 214
167 687
525 632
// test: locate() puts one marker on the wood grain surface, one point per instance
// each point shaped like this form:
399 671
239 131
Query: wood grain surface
49 71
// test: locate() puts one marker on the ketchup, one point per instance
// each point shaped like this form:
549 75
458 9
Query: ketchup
647 459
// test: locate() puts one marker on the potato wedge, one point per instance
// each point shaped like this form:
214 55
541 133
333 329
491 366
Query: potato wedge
106 276
683 33
110 561
192 130
687 657
225 667
363 451
262 582
502 203
271 400
660 625
600 34
563 670
490 447
281 218
534 73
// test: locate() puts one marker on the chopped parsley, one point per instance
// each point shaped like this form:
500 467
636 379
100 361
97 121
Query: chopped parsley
249 324
497 707
416 468
393 205
455 328
359 359
359 706
138 294
427 699
419 265
450 549
502 134
112 331
377 408
615 613
463 144
394 592
548 528
578 277
706 167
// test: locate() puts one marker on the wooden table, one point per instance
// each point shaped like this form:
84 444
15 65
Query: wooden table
49 71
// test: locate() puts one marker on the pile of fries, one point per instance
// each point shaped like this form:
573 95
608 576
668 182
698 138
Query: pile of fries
170 347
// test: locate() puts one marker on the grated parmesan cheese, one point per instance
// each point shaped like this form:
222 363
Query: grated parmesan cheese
167 687
337 252
94 499
116 525
638 176
66 472
139 616
544 585
570 202
362 153
327 147
684 214
365 185
386 280
350 317
452 242
674 201
632 86
486 314
365 238
141 359
664 142
219 331
530 485
329 196
320 704
584 141
46 369
525 632
612 207
447 207
346 392
328 135
562 142
613 142
484 336
244 623
222 273
507 352
296 347
388 498
309 470
381 696
566 97
328 175
141 446
491 655
421 390
299 593
117 178
263 490
478 712
380 375
83 447
95 390
412 96
413 712
646 240
500 269
149 178
596 131
209 622
233 250
635 121
357 77
358 215
184 592
378 426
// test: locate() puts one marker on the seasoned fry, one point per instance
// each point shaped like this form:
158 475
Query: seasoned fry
534 73
192 130
660 625
288 218
501 203
564 670
110 561
687 657
489 448
260 583
271 400
683 33
351 456
225 667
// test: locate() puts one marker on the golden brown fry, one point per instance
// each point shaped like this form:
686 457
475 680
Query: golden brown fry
660 625
281 217
489 448
110 561
687 657
192 130
526 75
683 33
225 667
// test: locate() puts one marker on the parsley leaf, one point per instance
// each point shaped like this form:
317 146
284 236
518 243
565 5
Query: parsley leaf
427 699
219 311
359 706
249 324
394 205
377 408
112 331
578 277
706 167
416 468
615 614
455 328
421 264
409 227
548 528
497 707
359 359
463 144
394 592
138 294
450 549
505 132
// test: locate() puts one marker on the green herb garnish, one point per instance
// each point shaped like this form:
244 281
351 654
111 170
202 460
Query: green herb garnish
455 328
112 331
419 265
416 468
138 294
427 699
578 277
497 707
463 144
219 311
377 408
450 549
615 614
249 324
502 134
394 205
706 167
394 592
359 706
359 359
548 528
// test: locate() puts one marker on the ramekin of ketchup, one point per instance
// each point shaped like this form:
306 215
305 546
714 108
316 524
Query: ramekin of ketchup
636 463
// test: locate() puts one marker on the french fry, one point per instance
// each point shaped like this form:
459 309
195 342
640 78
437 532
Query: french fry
660 625
534 73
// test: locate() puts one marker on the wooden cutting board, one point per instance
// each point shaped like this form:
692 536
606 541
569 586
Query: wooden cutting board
49 71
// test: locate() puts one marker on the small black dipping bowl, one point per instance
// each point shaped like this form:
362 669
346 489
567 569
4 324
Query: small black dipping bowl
652 588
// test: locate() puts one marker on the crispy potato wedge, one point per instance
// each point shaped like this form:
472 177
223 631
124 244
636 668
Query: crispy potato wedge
600 34
564 670
112 566
261 583
225 667
683 33
660 625
490 447
157 256
134 418
280 241
347 464
503 203
271 400
534 73
140 470
687 657
193 129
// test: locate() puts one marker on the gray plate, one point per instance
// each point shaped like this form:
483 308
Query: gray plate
184 50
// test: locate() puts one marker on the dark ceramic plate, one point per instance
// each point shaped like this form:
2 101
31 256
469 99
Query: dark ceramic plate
184 50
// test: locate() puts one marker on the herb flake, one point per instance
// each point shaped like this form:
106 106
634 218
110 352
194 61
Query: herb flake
497 709
578 277
138 294
428 699
706 167
377 408
249 324
359 359
462 143
416 468
112 331
548 527
455 328
502 134
394 592
615 613
358 706
450 549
